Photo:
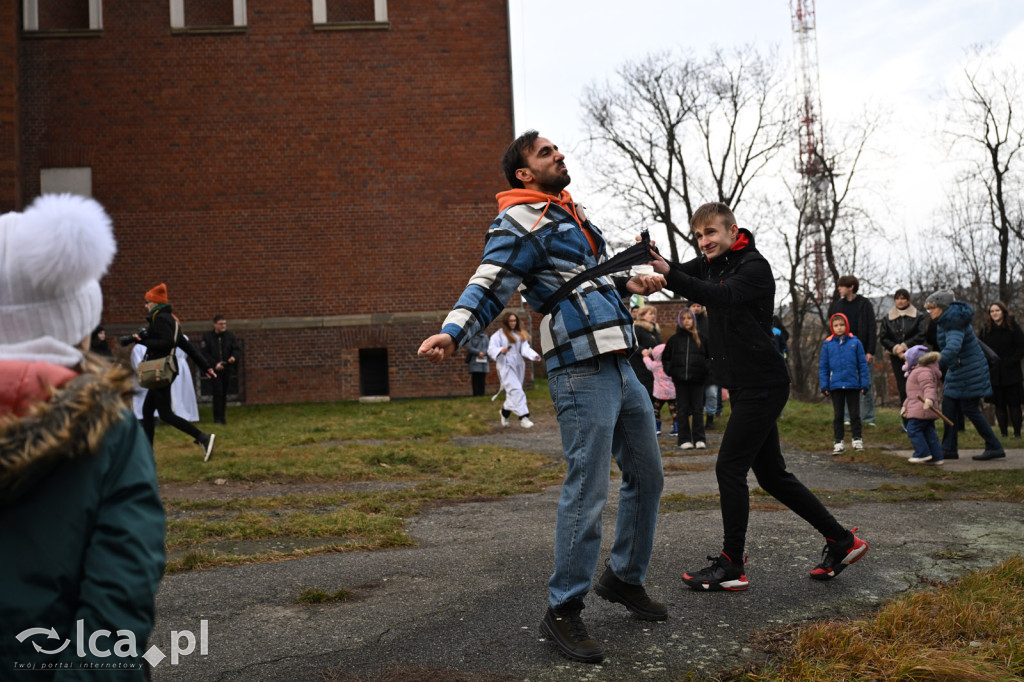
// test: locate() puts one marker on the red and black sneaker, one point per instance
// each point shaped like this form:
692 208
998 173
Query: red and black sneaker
722 574
838 555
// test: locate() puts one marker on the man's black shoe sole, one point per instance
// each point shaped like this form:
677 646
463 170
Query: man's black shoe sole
614 597
568 651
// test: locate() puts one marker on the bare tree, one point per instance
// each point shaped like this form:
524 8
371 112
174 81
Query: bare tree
821 243
986 122
673 131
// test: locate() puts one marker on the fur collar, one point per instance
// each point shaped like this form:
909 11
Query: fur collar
895 313
928 358
72 422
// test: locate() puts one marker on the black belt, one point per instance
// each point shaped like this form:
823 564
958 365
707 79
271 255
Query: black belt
637 254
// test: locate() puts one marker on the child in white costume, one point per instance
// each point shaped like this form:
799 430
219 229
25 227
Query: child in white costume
510 348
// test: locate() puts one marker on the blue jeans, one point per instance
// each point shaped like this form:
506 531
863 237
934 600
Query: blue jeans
711 405
970 409
602 408
924 438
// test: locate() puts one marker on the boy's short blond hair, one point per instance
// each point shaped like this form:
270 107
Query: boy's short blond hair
709 212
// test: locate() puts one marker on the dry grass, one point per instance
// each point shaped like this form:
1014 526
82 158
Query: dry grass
971 629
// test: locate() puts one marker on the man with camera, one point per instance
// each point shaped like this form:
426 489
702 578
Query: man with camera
160 339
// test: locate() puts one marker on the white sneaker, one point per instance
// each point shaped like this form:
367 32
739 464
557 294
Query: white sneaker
504 419
700 445
687 446
526 423
838 448
208 447
921 460
858 444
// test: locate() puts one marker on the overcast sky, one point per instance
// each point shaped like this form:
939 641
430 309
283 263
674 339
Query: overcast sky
894 54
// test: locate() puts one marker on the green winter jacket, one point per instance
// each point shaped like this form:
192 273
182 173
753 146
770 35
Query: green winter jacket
81 524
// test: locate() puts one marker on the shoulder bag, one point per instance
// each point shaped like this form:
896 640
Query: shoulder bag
161 372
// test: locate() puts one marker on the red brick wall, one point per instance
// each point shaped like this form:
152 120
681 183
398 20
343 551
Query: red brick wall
10 180
284 172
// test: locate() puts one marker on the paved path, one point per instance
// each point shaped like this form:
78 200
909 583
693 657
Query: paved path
466 602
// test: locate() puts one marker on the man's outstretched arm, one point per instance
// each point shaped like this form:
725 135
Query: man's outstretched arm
437 347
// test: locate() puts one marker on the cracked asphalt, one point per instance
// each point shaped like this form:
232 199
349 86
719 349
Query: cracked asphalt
467 600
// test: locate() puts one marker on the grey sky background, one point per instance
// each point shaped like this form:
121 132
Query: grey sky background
895 56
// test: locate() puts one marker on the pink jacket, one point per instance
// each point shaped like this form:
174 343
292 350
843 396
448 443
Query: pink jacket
664 389
923 381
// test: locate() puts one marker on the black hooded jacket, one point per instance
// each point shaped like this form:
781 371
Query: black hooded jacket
738 290
160 340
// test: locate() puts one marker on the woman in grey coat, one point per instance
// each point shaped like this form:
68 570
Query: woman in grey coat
477 362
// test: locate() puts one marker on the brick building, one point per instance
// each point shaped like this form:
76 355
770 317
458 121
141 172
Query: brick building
319 171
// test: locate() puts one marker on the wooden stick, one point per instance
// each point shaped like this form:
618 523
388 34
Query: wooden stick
933 409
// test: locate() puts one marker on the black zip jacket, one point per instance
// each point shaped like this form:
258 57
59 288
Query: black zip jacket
159 341
220 347
738 289
684 360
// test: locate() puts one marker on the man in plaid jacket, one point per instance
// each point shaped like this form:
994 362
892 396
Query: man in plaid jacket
541 239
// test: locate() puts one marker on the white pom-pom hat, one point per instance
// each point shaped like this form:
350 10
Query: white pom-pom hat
52 257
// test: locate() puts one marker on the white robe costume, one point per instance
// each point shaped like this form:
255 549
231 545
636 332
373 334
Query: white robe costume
183 392
512 369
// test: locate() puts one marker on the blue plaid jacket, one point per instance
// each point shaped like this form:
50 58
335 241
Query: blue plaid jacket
537 247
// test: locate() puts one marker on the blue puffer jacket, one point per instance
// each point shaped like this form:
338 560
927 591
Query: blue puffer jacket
967 374
843 365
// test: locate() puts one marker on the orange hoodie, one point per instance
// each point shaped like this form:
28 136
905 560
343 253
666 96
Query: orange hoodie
514 197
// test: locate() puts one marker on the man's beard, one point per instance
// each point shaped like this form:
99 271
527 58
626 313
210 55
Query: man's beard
556 184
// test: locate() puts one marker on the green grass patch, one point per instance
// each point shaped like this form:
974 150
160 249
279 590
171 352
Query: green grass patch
200 558
971 629
390 461
404 446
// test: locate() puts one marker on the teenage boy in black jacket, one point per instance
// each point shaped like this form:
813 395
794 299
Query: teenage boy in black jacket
735 283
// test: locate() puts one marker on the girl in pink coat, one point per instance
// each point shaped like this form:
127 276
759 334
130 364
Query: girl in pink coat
923 375
664 389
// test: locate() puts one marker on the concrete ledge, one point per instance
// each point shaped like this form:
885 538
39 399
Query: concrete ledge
360 320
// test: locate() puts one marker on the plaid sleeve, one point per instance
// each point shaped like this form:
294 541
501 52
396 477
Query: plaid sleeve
507 260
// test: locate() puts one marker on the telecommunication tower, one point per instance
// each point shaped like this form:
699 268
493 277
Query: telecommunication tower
809 163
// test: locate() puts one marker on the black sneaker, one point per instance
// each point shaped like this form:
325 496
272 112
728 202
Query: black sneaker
989 454
565 628
837 556
722 574
633 597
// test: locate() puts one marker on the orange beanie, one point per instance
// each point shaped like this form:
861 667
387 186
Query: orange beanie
157 294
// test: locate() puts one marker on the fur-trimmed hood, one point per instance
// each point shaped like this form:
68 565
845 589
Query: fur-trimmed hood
57 424
928 358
